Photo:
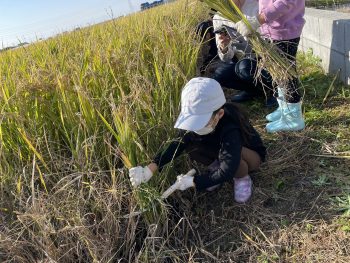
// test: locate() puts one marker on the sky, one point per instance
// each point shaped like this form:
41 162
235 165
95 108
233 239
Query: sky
28 20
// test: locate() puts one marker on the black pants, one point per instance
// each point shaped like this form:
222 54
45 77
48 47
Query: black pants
241 75
289 49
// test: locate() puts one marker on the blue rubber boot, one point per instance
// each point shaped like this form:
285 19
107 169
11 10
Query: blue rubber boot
291 119
276 115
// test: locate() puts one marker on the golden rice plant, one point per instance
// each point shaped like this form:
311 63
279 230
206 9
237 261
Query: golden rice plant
78 110
270 57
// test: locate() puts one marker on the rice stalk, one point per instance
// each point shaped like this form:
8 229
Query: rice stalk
268 55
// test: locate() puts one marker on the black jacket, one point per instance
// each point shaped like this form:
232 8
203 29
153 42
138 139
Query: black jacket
223 144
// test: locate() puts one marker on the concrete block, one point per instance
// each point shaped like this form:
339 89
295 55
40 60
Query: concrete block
309 44
324 53
337 62
301 43
327 33
332 34
347 52
347 71
326 14
347 37
311 28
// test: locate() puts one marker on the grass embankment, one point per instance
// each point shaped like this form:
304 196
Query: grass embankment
77 108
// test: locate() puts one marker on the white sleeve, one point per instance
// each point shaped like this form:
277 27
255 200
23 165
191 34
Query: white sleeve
227 57
250 8
219 21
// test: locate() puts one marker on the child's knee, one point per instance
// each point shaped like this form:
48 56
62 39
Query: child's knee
252 159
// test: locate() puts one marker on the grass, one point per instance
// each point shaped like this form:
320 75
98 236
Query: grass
322 3
77 110
335 4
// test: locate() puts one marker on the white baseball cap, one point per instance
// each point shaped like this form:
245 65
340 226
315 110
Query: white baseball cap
199 99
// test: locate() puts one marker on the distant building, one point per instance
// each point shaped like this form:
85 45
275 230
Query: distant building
23 44
144 6
147 5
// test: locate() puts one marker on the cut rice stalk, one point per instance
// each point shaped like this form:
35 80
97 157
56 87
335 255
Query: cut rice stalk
270 56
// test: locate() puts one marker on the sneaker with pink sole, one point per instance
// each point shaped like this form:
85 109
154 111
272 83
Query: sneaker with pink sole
243 189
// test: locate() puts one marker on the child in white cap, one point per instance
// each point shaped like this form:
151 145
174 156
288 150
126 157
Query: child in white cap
214 133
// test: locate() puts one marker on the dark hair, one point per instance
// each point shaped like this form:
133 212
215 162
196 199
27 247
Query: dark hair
239 116
212 12
204 28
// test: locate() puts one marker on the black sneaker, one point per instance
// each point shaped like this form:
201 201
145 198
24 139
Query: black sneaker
242 96
271 102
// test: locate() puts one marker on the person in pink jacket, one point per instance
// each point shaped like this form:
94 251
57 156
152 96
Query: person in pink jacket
281 22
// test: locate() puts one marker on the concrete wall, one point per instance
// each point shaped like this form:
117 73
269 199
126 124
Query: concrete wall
327 33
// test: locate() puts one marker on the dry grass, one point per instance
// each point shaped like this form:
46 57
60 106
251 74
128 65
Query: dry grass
75 213
289 219
292 216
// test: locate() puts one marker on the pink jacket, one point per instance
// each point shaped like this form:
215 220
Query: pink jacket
284 18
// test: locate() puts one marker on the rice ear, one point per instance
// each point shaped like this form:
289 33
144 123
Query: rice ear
270 57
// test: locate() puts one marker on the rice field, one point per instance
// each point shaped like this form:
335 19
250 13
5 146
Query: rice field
79 109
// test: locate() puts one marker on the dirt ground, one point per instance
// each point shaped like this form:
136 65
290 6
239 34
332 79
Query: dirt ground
292 216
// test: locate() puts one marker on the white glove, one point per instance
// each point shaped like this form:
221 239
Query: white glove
139 175
184 181
244 29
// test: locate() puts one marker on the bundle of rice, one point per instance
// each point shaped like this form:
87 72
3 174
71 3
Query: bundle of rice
269 55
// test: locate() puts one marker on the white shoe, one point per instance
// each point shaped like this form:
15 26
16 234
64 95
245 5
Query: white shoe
243 189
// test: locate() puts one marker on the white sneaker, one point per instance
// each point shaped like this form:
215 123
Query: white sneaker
243 189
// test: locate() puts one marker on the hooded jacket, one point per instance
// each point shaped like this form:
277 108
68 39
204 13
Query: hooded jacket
223 145
284 18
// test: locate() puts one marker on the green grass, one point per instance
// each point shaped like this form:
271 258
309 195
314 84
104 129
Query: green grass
317 3
79 109
70 96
